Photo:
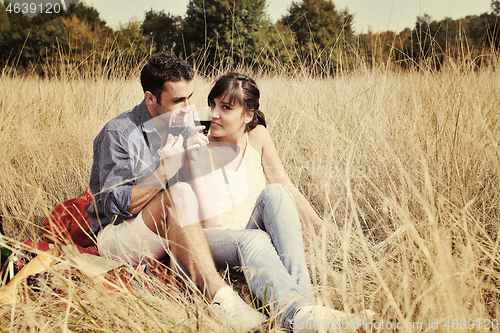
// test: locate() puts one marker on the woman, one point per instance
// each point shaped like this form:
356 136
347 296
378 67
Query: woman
259 227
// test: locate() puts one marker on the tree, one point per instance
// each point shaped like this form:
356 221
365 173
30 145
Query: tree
320 30
163 30
483 31
64 40
226 32
88 15
495 7
16 21
4 19
83 13
133 47
434 42
377 48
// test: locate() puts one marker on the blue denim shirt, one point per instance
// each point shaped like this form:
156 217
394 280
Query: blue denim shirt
126 151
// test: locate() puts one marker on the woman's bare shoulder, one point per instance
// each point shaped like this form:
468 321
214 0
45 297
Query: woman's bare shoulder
258 137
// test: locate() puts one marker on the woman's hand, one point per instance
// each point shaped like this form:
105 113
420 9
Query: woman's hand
200 167
197 153
196 139
311 219
172 156
276 173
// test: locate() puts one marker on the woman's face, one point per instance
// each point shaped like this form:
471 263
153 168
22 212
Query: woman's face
228 120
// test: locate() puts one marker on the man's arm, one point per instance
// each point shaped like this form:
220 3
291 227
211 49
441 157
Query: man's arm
172 158
112 177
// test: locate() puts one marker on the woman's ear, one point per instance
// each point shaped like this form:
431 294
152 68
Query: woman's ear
248 116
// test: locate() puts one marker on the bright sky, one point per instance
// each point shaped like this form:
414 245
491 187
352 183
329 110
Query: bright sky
378 15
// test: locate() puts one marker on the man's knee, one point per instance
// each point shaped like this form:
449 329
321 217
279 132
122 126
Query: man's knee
185 204
183 196
169 207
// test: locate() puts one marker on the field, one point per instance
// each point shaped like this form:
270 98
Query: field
376 150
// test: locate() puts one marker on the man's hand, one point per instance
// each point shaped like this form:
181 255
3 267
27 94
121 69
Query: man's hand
172 156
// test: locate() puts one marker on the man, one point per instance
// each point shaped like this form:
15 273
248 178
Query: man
134 213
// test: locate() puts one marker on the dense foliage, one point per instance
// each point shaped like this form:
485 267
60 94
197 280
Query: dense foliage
70 42
433 43
219 34
321 32
163 30
223 32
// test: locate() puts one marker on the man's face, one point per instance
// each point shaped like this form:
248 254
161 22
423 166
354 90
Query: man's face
175 95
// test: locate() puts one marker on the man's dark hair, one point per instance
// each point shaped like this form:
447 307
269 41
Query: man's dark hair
160 68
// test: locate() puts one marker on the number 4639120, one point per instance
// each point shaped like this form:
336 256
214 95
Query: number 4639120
32 8
485 324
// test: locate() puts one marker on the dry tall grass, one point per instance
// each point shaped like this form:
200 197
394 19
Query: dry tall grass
374 150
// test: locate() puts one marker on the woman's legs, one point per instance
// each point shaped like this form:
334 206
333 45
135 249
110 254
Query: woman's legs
253 251
276 213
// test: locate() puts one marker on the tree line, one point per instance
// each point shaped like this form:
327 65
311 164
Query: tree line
314 35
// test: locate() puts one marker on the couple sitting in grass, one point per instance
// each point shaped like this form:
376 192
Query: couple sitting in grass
153 195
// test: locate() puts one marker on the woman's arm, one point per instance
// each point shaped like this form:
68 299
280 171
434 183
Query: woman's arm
199 168
275 173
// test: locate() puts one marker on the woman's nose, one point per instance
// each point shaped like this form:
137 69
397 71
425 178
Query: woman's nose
213 112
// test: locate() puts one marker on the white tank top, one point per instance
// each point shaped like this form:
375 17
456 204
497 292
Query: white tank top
236 191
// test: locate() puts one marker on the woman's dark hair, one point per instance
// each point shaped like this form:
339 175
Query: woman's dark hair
239 89
160 68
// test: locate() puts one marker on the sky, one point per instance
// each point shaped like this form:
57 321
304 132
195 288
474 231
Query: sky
376 15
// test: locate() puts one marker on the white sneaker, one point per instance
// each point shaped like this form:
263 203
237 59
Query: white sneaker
317 318
229 305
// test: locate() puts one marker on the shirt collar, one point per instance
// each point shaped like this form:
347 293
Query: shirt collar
145 118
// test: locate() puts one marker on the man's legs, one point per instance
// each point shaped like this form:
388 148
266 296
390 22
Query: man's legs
146 236
188 244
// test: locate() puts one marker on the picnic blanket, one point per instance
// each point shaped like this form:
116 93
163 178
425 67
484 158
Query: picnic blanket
69 252
42 266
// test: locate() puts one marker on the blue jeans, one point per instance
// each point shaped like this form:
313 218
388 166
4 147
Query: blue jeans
270 253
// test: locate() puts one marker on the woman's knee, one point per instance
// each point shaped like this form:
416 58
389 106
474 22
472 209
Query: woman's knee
277 196
276 191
